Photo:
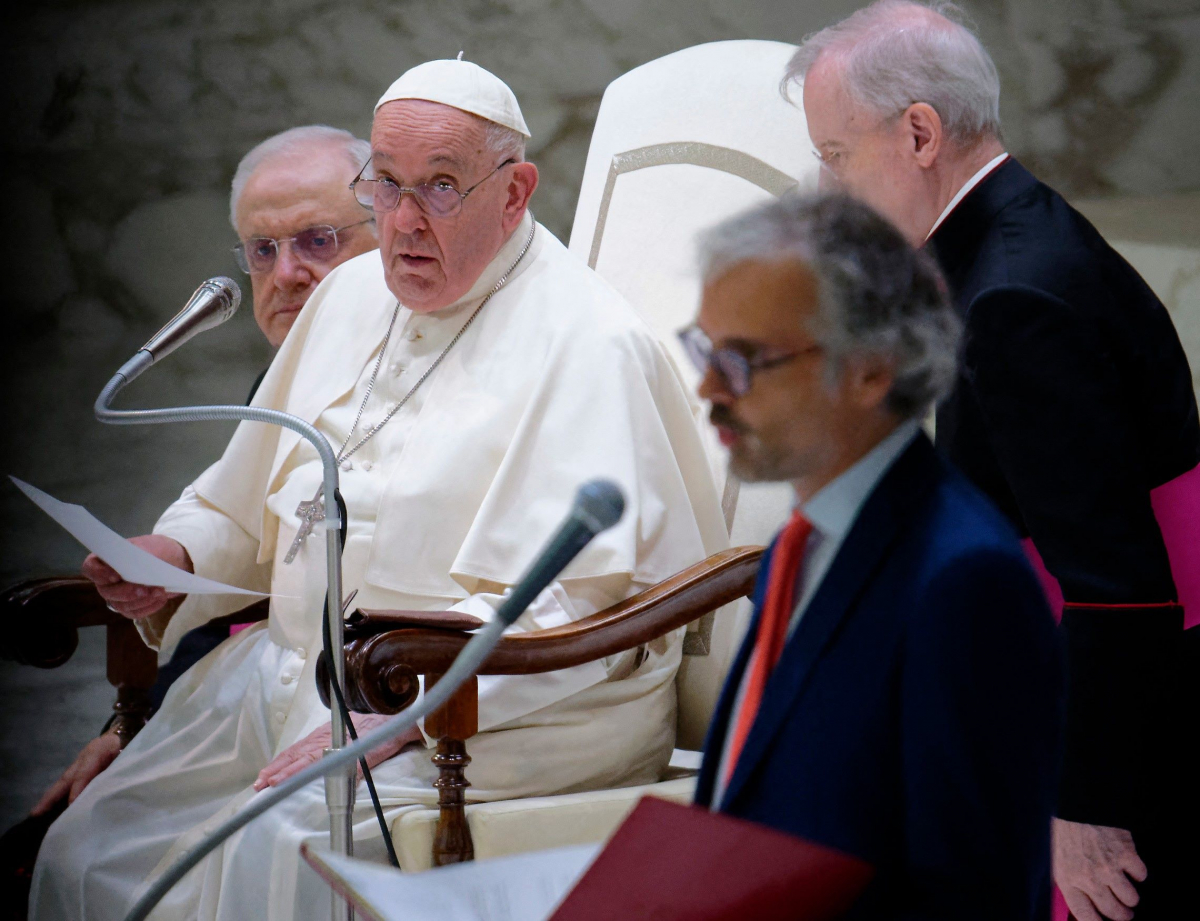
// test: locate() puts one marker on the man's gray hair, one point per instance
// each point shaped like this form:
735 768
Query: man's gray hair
896 53
291 142
877 295
504 142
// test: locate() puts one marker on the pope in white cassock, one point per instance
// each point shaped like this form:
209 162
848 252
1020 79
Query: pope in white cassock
472 380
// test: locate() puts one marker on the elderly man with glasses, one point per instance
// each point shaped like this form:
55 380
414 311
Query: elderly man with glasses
297 222
1074 411
296 219
470 376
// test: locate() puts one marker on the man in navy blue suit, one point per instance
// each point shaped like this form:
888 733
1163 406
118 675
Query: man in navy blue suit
898 696
1074 412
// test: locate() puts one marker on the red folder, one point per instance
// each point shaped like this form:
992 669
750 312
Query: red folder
669 862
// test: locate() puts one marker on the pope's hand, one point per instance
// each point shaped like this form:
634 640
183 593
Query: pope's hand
94 758
137 601
310 749
1095 867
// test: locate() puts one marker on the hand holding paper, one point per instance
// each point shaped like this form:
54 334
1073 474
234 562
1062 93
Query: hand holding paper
128 598
129 561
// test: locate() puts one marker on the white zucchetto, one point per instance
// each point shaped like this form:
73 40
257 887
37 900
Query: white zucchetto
464 86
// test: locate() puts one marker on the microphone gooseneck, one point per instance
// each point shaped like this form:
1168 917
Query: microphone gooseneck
598 505
213 303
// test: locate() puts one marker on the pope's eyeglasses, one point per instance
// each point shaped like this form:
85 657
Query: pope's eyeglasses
437 199
316 245
735 370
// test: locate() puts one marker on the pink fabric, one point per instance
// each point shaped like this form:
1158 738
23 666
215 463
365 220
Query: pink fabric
1177 507
1054 595
1058 910
238 628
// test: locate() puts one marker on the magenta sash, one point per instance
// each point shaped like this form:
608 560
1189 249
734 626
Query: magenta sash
1177 509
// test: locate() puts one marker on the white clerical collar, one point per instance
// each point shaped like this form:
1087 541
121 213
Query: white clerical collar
967 187
836 505
500 264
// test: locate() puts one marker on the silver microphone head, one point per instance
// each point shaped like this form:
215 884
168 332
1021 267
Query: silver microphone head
600 503
214 302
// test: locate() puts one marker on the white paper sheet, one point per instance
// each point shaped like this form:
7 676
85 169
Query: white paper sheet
523 887
133 563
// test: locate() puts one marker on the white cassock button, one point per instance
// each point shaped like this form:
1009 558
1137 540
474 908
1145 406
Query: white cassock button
397 370
366 465
279 717
412 335
302 652
287 679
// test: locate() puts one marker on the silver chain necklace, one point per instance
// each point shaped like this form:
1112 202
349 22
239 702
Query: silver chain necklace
310 511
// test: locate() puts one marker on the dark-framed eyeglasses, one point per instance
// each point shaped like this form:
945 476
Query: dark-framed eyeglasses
735 369
316 245
437 199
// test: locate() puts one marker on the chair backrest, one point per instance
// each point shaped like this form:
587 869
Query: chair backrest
681 143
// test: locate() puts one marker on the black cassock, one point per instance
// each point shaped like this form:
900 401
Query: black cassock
1075 401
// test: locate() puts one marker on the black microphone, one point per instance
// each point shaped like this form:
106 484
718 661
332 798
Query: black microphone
214 302
599 504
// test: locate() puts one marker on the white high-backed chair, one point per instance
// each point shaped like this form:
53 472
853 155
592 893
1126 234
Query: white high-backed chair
679 144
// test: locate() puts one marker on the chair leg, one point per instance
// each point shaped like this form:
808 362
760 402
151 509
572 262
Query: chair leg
452 725
132 667
452 838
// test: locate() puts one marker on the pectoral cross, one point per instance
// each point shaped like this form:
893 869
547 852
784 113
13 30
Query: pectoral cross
309 512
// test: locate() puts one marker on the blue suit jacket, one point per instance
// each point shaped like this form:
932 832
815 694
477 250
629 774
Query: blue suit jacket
914 717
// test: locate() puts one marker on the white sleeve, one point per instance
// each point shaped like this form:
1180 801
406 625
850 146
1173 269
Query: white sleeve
220 549
504 698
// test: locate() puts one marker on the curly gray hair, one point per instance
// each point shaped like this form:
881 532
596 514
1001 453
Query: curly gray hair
878 295
896 53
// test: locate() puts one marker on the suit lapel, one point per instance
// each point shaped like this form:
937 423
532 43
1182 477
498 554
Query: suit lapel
881 518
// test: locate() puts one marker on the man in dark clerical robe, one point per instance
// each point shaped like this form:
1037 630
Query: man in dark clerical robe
1074 412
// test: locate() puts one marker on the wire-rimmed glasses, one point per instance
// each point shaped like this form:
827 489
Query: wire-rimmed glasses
316 245
437 199
735 369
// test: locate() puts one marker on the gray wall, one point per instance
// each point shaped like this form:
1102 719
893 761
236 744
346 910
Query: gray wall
125 120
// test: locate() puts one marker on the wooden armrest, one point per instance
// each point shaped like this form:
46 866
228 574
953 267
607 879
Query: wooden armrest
382 668
367 622
42 618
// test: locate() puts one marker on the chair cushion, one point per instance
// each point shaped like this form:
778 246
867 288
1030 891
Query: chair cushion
533 824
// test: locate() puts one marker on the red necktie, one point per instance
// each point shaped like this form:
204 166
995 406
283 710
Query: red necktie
772 628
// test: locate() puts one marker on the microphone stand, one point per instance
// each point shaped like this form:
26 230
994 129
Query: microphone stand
340 785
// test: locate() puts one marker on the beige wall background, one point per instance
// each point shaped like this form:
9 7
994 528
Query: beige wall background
124 120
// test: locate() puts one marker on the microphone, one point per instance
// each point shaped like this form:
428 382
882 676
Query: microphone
214 302
599 504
